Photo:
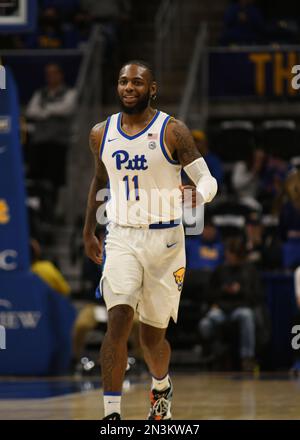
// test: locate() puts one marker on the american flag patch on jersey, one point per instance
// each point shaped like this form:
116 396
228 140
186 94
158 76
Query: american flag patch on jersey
152 136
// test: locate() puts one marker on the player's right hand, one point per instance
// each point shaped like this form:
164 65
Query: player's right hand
93 248
192 197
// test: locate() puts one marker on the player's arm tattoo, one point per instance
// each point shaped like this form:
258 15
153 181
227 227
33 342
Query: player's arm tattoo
182 141
99 181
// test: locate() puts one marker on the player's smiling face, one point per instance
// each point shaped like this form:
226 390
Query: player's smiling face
135 86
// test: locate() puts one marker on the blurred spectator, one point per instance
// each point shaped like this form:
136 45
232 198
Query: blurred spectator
205 251
254 245
11 42
49 33
246 176
282 23
262 244
243 24
283 31
289 225
234 291
296 321
47 271
289 205
77 33
51 109
66 8
213 162
272 178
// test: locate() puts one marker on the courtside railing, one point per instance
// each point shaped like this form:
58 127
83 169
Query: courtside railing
193 107
89 86
166 34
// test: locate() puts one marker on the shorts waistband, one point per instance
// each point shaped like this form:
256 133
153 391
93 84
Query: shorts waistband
158 225
163 225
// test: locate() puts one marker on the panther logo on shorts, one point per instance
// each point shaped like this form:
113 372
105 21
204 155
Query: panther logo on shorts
179 277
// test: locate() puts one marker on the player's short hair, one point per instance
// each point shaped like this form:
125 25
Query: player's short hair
141 63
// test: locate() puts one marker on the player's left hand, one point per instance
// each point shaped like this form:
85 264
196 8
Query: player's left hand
190 195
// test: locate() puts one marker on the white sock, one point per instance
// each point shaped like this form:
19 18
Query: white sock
160 384
112 403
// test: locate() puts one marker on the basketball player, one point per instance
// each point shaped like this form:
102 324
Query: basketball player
141 152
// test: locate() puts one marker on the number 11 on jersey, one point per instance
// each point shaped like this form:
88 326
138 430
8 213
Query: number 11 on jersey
135 180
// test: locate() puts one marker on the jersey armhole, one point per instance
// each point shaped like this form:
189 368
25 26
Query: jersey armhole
101 147
163 144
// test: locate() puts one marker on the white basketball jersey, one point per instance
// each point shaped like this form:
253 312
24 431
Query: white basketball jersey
143 177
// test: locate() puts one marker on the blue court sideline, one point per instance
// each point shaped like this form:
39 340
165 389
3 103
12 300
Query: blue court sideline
44 388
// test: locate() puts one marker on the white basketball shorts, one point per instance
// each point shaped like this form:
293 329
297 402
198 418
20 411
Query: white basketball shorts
144 268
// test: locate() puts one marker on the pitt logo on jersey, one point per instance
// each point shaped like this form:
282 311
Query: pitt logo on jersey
179 277
136 163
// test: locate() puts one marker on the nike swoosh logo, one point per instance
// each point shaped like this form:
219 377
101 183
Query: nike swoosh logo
110 140
170 245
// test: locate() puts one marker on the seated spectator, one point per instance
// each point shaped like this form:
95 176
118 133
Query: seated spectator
282 31
292 186
289 222
254 244
296 320
246 176
66 8
11 42
233 293
262 243
272 178
49 33
47 271
51 109
205 251
77 33
213 162
243 23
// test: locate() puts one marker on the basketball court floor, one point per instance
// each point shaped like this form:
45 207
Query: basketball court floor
197 396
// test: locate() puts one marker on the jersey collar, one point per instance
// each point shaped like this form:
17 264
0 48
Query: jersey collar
127 136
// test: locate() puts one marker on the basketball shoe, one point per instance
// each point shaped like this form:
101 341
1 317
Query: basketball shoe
112 416
161 404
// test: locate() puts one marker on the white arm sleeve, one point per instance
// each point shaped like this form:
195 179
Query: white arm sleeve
34 109
199 173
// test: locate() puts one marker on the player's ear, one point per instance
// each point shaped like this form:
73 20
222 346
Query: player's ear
153 90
